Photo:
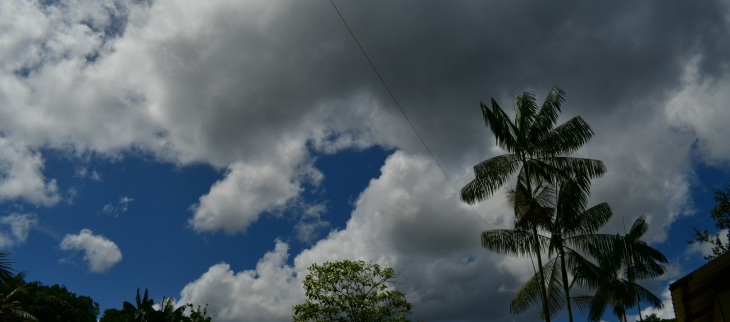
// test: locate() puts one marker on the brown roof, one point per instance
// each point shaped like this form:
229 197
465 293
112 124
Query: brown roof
704 295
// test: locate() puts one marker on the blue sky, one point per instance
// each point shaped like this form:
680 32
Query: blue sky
212 151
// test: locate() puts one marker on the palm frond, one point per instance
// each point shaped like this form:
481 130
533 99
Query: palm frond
582 302
505 132
564 139
575 167
647 296
555 289
511 242
638 229
527 296
650 269
548 114
490 176
6 267
525 111
590 220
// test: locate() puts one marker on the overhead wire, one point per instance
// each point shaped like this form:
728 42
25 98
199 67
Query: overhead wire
402 111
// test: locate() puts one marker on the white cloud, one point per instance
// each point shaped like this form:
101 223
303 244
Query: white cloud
81 172
22 175
667 312
122 206
100 252
701 108
249 189
19 227
310 223
264 294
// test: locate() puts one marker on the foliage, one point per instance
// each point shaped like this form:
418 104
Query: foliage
51 303
538 151
351 291
11 309
143 311
721 214
654 318
619 269
571 229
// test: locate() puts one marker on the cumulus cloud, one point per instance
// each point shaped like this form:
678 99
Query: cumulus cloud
22 175
263 294
19 225
248 190
100 252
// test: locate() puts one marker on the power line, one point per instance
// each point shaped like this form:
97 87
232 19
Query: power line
401 109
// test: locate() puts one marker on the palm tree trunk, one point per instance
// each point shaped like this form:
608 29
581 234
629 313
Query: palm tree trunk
542 275
632 279
537 250
565 283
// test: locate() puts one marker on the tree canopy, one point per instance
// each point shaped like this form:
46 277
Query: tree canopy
721 214
351 291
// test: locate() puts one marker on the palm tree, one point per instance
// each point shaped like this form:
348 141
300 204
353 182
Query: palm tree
619 268
571 228
617 292
539 150
143 309
641 260
10 309
168 312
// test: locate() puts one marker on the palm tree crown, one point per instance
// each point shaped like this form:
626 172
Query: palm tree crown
540 151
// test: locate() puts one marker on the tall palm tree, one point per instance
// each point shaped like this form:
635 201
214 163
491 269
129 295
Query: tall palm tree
640 260
539 150
571 228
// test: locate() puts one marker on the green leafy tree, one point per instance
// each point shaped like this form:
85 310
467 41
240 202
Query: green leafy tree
721 214
351 291
538 152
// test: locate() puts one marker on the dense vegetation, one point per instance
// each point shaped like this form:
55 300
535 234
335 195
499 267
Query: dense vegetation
33 301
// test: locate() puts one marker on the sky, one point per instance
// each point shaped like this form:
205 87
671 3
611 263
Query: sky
211 151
